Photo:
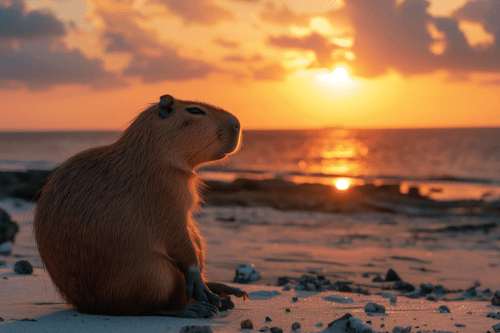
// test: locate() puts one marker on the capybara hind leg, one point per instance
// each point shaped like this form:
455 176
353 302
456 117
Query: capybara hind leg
223 290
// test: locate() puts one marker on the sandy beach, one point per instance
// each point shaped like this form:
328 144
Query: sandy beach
345 252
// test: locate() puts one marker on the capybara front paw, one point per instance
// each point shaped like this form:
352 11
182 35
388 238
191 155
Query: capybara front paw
198 310
196 287
223 290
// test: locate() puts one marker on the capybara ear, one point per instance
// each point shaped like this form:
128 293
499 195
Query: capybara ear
165 106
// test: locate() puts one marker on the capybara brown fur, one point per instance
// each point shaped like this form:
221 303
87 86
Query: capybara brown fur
113 224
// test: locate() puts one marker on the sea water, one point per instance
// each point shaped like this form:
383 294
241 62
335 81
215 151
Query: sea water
446 164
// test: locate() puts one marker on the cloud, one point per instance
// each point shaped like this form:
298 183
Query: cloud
315 42
275 72
221 41
486 12
240 58
388 35
203 12
284 15
117 42
42 64
17 23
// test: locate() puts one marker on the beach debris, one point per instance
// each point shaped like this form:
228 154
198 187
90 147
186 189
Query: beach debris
246 273
349 324
8 230
393 300
263 294
247 323
493 315
392 276
264 329
495 300
268 319
496 328
23 267
295 326
196 329
226 303
371 307
378 278
276 329
338 299
400 329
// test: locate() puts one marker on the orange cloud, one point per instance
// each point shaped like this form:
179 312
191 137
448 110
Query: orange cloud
198 11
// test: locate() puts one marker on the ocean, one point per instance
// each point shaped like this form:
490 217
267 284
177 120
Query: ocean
445 164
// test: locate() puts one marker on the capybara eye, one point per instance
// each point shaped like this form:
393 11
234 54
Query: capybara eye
195 110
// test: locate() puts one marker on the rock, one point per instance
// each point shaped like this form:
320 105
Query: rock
226 304
23 267
268 319
310 287
6 248
287 310
444 309
426 288
378 278
295 299
403 286
283 281
460 325
195 329
287 287
496 328
393 300
348 324
399 329
320 324
295 326
371 307
246 273
493 315
264 329
415 294
495 300
276 329
387 295
338 299
365 275
8 230
470 293
392 276
247 323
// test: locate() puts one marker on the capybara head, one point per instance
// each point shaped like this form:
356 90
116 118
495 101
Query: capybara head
186 132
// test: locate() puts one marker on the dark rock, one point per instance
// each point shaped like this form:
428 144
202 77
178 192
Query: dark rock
470 293
276 329
444 309
283 280
495 300
378 278
403 286
392 276
287 310
264 329
295 326
195 329
371 307
426 288
226 304
23 267
268 319
348 323
8 228
247 323
295 299
365 275
246 273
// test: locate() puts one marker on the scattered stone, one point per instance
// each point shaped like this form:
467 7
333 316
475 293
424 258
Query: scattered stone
392 276
1 319
365 275
426 288
195 329
338 299
295 326
496 328
371 307
295 298
246 273
287 287
283 280
387 295
378 278
393 300
287 310
226 304
247 323
459 325
403 286
415 294
493 315
320 324
399 329
8 230
27 319
495 300
276 329
470 293
444 309
264 329
348 324
23 267
6 248
268 319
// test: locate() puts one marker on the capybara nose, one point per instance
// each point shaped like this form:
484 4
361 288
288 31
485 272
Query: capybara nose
235 124
234 134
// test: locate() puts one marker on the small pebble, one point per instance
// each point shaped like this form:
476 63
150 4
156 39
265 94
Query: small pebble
387 295
23 267
276 329
493 315
295 299
268 319
393 299
459 325
320 324
247 323
264 329
287 310
295 326
495 300
444 309
287 287
399 329
371 307
378 278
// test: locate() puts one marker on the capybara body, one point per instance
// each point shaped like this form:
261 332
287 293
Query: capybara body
113 224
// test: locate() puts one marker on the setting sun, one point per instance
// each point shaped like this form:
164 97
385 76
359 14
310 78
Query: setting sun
339 74
342 184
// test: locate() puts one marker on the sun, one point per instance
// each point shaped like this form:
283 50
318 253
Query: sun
342 184
339 75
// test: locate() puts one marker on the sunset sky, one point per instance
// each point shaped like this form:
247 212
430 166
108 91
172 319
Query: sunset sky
95 64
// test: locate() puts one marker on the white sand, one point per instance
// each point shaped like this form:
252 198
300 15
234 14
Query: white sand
283 243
